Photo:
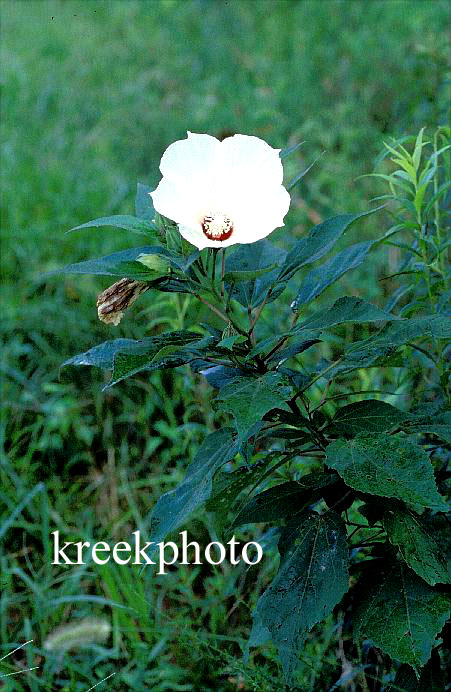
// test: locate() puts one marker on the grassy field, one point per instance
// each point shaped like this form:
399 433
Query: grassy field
93 92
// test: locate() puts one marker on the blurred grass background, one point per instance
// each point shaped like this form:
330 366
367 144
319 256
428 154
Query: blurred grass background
92 94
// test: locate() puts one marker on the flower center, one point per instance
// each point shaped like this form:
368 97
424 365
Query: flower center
217 226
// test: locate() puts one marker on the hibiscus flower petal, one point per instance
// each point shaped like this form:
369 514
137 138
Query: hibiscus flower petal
191 160
181 204
250 160
256 213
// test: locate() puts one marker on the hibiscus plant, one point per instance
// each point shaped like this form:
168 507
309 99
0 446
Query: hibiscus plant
351 492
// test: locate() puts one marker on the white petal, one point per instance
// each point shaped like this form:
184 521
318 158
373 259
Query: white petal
191 160
258 212
250 161
182 204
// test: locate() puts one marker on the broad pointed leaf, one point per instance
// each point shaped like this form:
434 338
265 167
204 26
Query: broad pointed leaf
127 356
400 613
298 346
312 578
417 545
318 279
237 276
381 347
124 221
389 466
176 506
144 208
285 500
318 242
167 356
260 257
125 263
438 424
102 355
217 376
369 415
228 490
120 264
346 309
248 399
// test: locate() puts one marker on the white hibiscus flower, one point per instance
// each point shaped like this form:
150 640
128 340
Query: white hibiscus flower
222 193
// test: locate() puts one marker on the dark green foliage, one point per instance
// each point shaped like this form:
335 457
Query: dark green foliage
175 507
249 399
388 466
400 613
285 500
370 415
345 309
136 224
312 578
323 276
319 241
261 260
373 455
120 264
417 545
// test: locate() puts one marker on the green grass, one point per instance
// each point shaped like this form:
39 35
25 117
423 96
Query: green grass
93 92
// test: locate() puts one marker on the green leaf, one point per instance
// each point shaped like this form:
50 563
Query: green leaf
418 149
318 279
229 341
102 356
285 500
297 178
389 466
298 346
438 424
125 263
262 257
405 330
442 431
119 264
127 356
124 221
237 276
157 358
217 376
312 578
399 612
318 242
405 680
345 309
417 545
379 348
248 399
290 149
176 506
228 487
369 415
266 345
144 208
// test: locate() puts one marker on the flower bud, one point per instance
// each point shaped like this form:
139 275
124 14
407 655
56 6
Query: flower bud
112 302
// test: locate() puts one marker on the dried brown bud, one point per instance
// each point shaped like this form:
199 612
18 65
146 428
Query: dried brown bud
112 302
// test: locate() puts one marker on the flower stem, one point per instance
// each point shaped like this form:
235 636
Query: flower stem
222 272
